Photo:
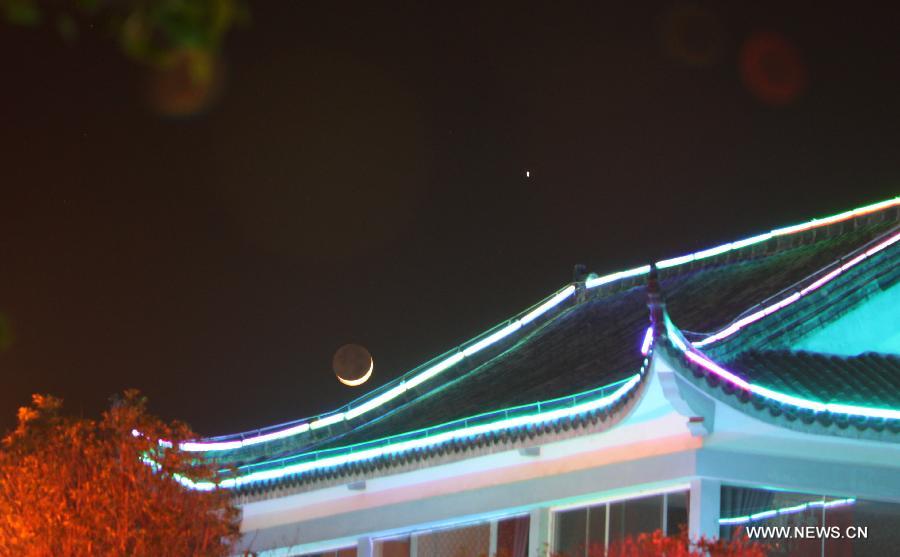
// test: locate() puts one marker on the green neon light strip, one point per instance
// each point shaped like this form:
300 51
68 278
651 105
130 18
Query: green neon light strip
529 414
414 379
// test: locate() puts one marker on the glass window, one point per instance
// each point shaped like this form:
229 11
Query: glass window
345 552
454 542
396 547
635 516
512 537
571 528
596 519
676 512
644 515
841 518
589 530
740 504
868 528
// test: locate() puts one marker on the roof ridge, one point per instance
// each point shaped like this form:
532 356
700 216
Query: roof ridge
815 227
450 382
390 390
769 306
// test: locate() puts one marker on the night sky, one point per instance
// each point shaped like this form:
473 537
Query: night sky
361 178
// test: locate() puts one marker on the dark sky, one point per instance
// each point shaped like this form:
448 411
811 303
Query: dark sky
362 179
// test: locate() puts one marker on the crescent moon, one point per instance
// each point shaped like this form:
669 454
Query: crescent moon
361 380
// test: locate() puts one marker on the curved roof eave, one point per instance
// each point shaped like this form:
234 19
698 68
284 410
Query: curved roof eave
593 411
831 417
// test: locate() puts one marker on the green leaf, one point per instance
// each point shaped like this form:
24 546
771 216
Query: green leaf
22 12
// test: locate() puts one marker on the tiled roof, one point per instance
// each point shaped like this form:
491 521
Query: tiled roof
784 328
868 379
759 354
871 380
500 439
706 298
592 339
591 344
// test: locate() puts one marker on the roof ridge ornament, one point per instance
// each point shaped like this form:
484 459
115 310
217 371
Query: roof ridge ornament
579 273
656 303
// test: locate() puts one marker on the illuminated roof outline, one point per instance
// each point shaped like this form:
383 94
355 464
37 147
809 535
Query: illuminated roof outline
432 369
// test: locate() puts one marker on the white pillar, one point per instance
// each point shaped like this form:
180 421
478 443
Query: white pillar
704 508
364 547
414 545
492 544
539 532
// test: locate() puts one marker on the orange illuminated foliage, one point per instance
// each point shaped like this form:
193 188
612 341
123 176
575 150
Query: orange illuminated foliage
75 486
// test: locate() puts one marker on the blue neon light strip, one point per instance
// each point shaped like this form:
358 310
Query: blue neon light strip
785 511
228 443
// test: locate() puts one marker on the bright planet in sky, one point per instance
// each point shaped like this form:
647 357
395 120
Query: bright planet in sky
352 365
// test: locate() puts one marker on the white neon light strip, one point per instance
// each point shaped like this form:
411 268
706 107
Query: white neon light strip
511 328
328 420
443 526
237 444
499 335
528 318
371 404
309 549
613 277
557 299
434 370
786 510
816 406
403 446
756 316
648 340
627 496
393 392
778 232
345 543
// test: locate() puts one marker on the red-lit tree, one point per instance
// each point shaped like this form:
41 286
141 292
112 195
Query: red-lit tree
656 544
75 486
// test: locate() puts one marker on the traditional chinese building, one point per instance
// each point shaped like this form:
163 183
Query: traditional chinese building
753 383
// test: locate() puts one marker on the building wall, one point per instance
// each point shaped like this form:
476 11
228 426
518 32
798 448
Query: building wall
651 451
872 326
